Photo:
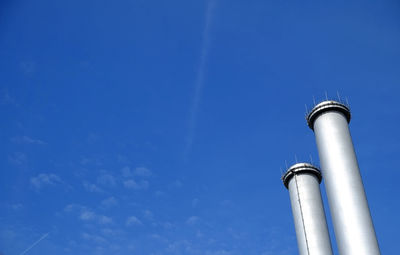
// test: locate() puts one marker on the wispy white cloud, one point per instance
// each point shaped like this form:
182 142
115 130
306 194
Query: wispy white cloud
192 220
87 215
110 232
139 171
95 161
92 187
104 219
143 171
27 140
94 238
109 202
186 246
200 77
147 214
132 184
218 252
71 207
158 238
18 158
42 180
133 220
181 247
168 225
106 180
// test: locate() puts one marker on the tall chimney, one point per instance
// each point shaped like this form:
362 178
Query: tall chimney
348 204
302 180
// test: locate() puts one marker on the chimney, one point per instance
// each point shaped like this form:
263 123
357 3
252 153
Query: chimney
302 180
348 204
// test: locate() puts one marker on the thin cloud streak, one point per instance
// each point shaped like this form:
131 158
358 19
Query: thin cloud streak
42 180
199 82
35 243
27 140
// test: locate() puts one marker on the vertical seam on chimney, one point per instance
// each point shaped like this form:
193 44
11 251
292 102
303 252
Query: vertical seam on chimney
301 213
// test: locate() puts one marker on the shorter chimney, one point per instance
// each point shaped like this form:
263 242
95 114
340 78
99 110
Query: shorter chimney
302 180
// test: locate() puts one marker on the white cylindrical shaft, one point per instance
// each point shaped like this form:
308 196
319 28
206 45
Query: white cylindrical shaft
308 211
348 204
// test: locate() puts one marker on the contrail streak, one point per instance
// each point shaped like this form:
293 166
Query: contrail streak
35 243
199 82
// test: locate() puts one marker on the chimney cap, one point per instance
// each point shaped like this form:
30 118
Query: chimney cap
328 105
298 169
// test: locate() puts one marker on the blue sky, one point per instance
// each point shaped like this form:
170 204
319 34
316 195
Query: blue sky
160 127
